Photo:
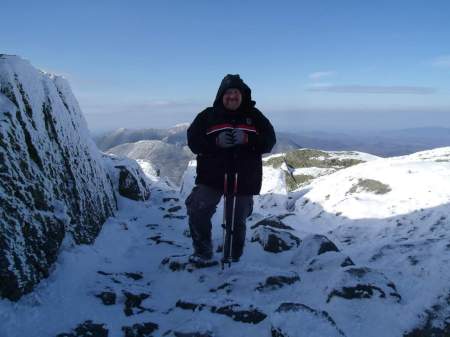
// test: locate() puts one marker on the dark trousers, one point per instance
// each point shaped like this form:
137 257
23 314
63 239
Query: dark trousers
201 205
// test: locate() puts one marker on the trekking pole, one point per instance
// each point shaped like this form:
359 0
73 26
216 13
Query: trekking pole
229 226
233 212
224 219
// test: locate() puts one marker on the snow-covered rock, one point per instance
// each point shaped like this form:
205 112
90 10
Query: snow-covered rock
298 320
274 241
128 177
188 179
52 178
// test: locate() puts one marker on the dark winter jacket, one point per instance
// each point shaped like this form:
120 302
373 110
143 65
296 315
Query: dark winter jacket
213 161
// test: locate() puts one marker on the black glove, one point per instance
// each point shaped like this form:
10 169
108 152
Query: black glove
225 139
240 137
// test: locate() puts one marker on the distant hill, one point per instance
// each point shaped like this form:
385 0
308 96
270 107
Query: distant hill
173 135
170 160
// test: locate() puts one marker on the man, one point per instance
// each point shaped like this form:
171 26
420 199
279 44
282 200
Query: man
228 137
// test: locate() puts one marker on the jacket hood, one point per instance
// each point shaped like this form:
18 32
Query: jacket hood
235 81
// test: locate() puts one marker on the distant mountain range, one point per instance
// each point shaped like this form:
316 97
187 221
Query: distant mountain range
167 150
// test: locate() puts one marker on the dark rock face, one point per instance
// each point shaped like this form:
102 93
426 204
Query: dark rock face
140 330
296 320
52 177
249 315
275 241
87 329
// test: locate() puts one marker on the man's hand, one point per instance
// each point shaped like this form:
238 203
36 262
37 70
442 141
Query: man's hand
240 137
225 139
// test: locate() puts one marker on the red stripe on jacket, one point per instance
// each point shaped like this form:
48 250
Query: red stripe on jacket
219 127
246 127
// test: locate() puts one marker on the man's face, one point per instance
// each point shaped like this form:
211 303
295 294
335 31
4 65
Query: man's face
232 99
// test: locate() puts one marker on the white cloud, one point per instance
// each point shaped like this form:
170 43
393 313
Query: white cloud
441 61
318 75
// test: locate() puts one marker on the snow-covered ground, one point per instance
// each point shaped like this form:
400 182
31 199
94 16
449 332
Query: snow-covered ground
392 266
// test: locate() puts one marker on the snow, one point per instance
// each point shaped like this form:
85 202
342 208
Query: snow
67 297
390 216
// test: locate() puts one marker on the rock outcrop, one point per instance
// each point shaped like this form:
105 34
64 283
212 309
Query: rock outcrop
53 181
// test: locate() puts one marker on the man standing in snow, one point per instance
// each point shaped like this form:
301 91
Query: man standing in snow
228 137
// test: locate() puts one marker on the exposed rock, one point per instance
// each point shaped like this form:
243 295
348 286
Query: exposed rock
172 216
135 276
158 239
436 320
234 311
140 330
312 246
363 283
275 241
328 261
134 301
174 209
107 297
274 222
181 262
227 287
170 199
276 282
298 320
128 177
52 176
87 329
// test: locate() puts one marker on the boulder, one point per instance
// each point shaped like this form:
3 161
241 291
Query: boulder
128 178
275 241
362 283
298 320
312 246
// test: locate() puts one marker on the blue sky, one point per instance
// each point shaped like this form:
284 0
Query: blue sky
330 65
